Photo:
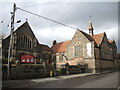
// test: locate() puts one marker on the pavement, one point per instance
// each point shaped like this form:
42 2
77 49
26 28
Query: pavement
107 81
60 77
29 82
35 82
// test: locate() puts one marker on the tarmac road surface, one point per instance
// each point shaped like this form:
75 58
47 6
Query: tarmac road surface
109 80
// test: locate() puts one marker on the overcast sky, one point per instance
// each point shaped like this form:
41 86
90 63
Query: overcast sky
75 14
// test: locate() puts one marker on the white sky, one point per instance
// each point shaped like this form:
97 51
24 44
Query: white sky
76 14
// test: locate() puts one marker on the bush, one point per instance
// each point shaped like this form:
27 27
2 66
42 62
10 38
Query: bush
27 71
5 61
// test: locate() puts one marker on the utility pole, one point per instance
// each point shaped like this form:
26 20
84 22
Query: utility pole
11 39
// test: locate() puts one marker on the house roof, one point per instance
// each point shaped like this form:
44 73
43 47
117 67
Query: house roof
60 47
87 36
45 47
110 41
98 38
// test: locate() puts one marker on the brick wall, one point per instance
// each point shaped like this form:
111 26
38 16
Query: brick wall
104 65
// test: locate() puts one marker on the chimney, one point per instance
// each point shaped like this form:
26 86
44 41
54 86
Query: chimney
54 42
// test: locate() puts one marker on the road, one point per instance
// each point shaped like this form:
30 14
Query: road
109 80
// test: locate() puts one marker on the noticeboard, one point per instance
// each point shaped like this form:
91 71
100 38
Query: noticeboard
27 59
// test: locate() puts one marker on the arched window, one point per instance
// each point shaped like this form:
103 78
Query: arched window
30 45
27 42
24 42
20 41
78 49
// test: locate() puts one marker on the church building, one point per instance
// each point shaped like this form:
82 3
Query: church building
94 50
26 48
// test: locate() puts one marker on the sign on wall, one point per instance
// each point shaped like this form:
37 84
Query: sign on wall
27 59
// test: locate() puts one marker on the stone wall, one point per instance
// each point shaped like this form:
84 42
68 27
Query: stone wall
28 71
81 61
86 46
91 65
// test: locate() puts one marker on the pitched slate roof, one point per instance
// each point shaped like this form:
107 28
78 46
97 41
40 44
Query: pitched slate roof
45 47
24 25
60 47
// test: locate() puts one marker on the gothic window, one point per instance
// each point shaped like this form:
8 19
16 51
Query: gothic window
27 42
78 50
24 42
20 41
30 45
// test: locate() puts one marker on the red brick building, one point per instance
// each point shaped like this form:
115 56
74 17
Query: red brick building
94 50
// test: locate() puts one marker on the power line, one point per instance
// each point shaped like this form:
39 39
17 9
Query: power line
45 18
50 19
37 5
2 21
33 5
4 34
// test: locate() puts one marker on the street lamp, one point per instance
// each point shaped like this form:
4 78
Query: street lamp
18 21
